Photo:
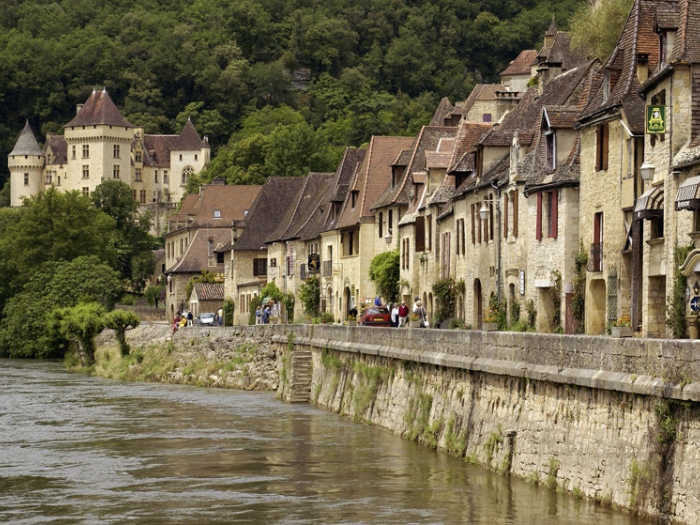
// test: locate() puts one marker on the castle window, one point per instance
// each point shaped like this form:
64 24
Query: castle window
48 177
115 173
137 175
116 151
86 192
165 176
186 173
180 157
155 177
137 156
26 179
86 171
74 152
86 151
142 196
195 156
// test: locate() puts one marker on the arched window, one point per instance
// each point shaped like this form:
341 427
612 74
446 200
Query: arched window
186 173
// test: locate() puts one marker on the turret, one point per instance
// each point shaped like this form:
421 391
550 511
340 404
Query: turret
26 163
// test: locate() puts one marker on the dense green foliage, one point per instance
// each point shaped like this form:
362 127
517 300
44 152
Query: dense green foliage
676 303
205 277
384 273
80 324
597 28
120 321
310 296
446 292
374 67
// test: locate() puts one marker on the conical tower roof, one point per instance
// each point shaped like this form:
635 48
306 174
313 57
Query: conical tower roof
99 110
552 28
188 139
26 143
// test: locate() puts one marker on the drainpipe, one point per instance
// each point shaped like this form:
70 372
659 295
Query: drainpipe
498 244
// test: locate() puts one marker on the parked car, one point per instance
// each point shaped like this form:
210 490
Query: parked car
375 316
206 319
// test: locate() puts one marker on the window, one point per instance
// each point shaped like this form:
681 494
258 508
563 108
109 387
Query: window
656 230
73 152
217 214
116 171
601 147
259 267
165 176
86 151
26 179
155 177
142 196
461 237
186 173
134 195
696 220
86 192
116 151
86 171
219 257
353 199
381 225
48 178
551 145
137 156
180 157
390 224
420 234
547 203
273 263
405 253
195 156
486 117
137 175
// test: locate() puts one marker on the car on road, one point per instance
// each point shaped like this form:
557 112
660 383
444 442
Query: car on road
206 319
375 316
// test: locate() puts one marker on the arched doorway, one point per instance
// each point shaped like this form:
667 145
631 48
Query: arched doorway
348 302
595 308
478 305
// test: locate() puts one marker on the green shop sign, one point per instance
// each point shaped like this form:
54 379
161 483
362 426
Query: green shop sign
656 119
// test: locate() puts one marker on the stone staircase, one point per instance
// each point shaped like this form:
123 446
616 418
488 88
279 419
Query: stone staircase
300 384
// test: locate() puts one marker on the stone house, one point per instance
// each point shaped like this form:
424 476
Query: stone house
668 211
206 297
98 144
246 255
197 233
356 224
612 149
517 76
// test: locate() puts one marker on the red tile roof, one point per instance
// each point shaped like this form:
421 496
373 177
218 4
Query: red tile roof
521 65
99 110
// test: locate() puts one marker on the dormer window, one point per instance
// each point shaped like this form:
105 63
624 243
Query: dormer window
217 214
551 145
353 199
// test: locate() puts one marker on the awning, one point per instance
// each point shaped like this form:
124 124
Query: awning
688 196
650 204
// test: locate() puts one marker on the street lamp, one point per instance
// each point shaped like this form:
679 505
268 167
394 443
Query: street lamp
647 170
484 213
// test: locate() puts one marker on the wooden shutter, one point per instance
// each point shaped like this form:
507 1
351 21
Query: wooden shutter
505 215
598 147
473 225
606 138
515 213
555 213
420 233
538 218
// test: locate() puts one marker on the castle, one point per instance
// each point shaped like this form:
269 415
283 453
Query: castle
99 143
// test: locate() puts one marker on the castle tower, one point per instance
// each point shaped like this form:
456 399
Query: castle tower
98 144
26 162
189 155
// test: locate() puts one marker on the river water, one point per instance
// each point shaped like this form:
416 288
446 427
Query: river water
82 450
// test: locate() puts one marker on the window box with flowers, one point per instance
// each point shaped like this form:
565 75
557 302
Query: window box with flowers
621 328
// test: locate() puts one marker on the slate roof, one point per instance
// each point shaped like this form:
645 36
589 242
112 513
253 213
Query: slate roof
481 92
372 178
58 147
26 143
521 65
99 110
468 136
444 109
561 53
638 37
188 139
267 211
300 207
209 291
338 189
157 150
232 203
196 257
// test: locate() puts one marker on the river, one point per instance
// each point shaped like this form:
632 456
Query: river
83 450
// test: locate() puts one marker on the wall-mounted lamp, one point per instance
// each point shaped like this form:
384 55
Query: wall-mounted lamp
696 288
647 170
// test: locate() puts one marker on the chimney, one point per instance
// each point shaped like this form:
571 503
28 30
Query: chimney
78 107
642 67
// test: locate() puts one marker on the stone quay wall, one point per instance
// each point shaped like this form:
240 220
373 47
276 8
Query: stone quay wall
615 420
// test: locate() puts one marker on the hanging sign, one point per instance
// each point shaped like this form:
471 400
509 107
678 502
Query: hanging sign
656 119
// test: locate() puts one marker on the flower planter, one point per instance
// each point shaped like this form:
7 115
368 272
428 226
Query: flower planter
489 327
621 331
414 324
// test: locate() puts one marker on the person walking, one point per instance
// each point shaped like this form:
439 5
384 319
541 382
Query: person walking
258 315
395 315
422 314
403 314
190 318
220 315
266 315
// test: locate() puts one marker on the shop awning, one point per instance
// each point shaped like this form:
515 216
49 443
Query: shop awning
688 196
650 204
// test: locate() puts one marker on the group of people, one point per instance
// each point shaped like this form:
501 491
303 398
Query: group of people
400 312
182 319
262 315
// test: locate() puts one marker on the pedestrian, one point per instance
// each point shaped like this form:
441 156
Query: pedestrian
422 314
258 315
190 318
377 301
266 315
220 315
403 314
415 305
395 315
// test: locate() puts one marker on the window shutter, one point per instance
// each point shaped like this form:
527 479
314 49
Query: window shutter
473 224
478 220
505 215
555 213
598 147
515 213
420 233
538 218
605 133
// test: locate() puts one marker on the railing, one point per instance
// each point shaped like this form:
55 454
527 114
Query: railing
595 263
327 268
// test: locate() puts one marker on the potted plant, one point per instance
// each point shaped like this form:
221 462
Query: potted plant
413 320
621 327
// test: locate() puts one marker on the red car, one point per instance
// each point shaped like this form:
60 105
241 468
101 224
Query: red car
375 316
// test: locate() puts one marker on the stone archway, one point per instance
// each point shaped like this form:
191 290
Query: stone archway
596 307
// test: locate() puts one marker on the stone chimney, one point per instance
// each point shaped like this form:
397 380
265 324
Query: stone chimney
78 107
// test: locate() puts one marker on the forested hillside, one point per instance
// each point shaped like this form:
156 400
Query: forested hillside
374 66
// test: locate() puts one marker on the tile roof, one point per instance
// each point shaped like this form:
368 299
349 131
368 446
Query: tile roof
26 143
372 178
686 46
339 186
468 136
301 206
521 65
209 291
58 148
444 109
216 206
637 37
188 139
561 116
481 92
157 150
267 211
99 110
196 257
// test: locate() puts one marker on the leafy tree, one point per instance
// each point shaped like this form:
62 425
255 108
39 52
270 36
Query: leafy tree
153 294
676 304
597 27
446 291
229 309
310 296
24 331
384 272
120 321
5 195
80 324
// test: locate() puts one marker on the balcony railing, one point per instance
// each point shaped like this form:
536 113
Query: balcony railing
595 263
327 268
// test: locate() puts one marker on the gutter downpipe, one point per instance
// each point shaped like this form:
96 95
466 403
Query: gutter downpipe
498 244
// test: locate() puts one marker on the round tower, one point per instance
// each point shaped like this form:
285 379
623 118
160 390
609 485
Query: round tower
26 164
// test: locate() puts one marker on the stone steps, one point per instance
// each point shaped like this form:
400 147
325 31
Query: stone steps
300 378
